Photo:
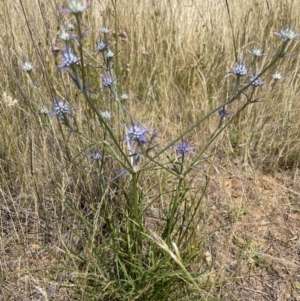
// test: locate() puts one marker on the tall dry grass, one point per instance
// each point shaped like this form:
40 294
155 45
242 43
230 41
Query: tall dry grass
172 66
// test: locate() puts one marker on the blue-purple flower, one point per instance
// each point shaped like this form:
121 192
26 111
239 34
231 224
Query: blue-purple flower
239 69
69 59
107 81
61 109
183 148
223 113
256 81
96 155
137 133
287 34
101 46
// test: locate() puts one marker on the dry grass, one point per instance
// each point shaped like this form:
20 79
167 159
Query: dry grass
173 67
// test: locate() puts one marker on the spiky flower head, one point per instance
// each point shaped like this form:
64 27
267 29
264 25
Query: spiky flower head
60 109
43 110
105 30
257 52
101 46
70 26
183 148
124 96
69 59
107 81
27 67
110 54
239 69
256 81
137 133
277 76
223 113
76 7
64 35
287 34
96 155
106 115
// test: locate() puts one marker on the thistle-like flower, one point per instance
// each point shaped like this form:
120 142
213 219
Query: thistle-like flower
257 52
277 76
43 110
137 133
223 113
69 59
105 30
76 7
101 46
239 69
110 54
287 34
106 115
60 109
27 67
256 81
107 81
70 26
124 96
65 36
183 148
96 155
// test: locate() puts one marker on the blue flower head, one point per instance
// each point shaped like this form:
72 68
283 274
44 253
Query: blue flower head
287 34
101 46
256 81
96 155
60 109
107 81
239 69
69 59
223 113
183 148
137 133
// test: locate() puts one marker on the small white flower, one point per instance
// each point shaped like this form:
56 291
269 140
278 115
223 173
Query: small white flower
64 35
110 54
277 76
70 26
105 30
287 34
106 115
96 155
27 67
124 96
76 7
256 51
